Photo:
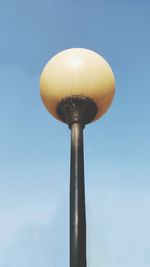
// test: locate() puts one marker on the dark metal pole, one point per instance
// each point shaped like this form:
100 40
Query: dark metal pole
77 199
77 111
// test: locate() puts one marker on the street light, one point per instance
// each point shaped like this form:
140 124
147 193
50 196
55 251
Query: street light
77 87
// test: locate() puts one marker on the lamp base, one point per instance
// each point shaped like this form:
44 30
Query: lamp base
77 109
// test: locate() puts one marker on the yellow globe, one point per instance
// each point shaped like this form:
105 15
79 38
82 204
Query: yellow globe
77 72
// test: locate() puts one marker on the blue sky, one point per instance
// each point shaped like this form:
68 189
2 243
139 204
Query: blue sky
34 147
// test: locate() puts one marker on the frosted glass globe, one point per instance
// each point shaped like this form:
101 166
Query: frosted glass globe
77 72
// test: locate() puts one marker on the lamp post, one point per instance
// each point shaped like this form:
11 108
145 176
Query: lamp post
77 87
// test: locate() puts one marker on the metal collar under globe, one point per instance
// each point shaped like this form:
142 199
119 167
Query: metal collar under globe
77 109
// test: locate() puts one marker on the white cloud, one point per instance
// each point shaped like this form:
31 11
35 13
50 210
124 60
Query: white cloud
117 228
33 236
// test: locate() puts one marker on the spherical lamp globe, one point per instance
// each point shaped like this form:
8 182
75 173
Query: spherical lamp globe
77 72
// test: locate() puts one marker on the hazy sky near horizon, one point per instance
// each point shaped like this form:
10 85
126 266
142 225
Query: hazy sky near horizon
34 147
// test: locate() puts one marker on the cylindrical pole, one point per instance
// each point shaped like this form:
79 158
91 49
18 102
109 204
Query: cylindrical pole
77 199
